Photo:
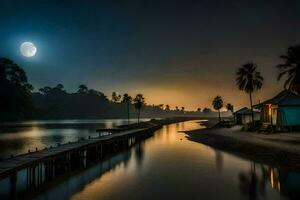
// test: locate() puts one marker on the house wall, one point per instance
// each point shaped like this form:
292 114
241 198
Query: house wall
289 116
281 116
238 119
257 116
245 119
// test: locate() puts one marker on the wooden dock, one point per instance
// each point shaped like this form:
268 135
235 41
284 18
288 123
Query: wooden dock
41 167
13 164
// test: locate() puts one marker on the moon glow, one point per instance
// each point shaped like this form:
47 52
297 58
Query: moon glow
28 49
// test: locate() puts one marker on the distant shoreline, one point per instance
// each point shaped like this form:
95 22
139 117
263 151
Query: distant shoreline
259 148
62 123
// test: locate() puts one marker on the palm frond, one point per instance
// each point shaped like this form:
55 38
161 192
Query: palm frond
290 68
281 74
284 66
248 78
288 83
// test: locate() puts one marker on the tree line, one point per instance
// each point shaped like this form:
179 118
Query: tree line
18 101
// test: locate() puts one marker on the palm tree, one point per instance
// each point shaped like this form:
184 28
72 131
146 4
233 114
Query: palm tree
115 98
291 68
182 109
139 101
127 99
249 80
167 108
218 104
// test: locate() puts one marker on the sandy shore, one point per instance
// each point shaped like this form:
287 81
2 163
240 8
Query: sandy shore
278 150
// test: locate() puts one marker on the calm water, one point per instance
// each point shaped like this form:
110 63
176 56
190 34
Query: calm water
20 137
168 166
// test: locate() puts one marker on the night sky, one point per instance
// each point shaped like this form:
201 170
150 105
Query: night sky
174 52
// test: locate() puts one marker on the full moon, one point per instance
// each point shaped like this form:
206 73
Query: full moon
28 49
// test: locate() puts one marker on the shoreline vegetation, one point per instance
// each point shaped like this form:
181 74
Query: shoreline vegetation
279 150
20 102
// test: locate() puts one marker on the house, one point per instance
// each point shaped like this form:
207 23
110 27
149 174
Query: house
244 116
281 111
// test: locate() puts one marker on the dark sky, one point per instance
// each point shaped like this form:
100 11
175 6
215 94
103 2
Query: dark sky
174 52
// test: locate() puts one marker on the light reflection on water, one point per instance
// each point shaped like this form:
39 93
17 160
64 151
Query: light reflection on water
18 138
168 166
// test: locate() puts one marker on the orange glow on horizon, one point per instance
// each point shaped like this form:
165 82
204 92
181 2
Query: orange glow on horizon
192 98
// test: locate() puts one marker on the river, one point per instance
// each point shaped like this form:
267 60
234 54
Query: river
18 138
169 166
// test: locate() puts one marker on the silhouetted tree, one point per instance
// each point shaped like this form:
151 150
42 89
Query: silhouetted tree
127 100
182 110
206 110
167 108
15 92
96 93
59 86
229 106
291 68
139 101
198 109
115 98
176 108
17 102
161 106
248 79
45 90
218 104
53 103
82 89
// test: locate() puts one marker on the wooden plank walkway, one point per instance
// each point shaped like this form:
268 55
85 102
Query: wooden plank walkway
14 164
9 165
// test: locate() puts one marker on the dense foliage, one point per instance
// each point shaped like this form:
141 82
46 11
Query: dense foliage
15 92
18 102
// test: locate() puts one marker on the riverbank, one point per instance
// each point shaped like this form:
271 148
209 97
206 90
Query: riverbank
279 150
